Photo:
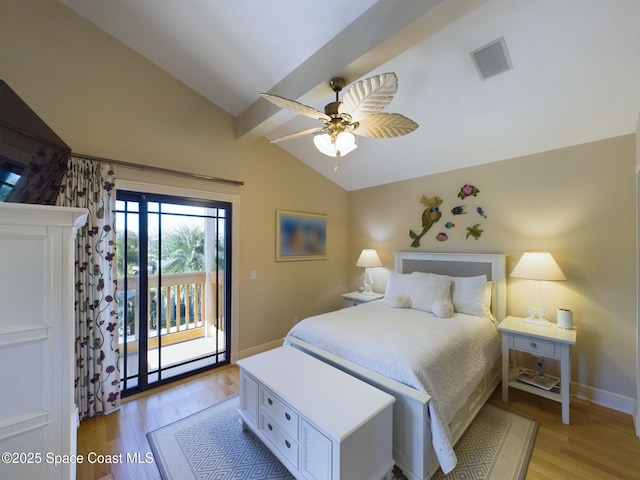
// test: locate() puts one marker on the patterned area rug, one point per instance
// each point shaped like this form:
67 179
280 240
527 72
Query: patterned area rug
211 445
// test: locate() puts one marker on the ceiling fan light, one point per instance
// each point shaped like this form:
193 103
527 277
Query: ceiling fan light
345 141
324 144
347 149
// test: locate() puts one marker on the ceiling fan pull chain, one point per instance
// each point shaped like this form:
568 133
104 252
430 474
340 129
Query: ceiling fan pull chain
335 166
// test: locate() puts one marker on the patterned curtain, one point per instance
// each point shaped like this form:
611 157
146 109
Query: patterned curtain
91 185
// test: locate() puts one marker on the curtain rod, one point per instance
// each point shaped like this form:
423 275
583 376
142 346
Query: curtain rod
160 169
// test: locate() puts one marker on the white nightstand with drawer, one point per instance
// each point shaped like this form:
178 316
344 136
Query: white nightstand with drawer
352 299
543 341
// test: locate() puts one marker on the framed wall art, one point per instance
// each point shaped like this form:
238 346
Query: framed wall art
300 236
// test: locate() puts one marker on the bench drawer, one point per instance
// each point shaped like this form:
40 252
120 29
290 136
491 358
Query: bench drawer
280 439
283 415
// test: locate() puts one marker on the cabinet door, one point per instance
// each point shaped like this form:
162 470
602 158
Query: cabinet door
249 397
316 453
30 338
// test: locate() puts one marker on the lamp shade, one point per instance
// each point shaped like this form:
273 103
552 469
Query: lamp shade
324 144
345 143
537 266
369 258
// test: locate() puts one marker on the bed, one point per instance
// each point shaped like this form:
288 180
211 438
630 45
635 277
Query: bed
438 388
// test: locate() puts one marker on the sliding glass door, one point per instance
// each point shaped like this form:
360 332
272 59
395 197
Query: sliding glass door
174 287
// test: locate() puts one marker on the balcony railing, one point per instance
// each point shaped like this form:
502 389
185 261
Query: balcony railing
181 306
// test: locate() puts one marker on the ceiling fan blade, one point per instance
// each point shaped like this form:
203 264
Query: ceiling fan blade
385 125
297 134
295 107
369 96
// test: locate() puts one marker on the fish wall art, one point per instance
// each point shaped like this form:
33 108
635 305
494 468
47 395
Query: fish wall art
461 209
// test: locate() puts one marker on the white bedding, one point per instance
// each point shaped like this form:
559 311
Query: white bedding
444 357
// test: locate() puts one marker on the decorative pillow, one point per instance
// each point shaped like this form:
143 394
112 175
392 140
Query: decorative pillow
401 301
397 286
431 292
443 308
469 295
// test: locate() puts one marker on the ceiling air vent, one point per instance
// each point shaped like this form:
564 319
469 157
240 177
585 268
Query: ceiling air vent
492 59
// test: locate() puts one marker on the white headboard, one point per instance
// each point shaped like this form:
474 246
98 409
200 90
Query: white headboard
461 265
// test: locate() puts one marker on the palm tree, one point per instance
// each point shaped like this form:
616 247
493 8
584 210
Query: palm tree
183 250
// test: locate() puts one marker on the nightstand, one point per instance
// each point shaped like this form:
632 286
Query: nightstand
540 341
352 299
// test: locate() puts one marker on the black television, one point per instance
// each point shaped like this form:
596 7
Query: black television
33 159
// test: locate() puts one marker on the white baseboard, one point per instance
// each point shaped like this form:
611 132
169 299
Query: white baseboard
607 399
235 356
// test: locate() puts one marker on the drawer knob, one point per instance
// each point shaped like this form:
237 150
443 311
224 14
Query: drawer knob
533 345
270 426
270 401
287 443
287 416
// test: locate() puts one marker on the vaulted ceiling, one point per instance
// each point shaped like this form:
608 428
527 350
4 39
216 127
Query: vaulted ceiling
575 75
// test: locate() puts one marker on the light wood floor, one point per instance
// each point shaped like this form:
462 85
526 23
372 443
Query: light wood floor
599 444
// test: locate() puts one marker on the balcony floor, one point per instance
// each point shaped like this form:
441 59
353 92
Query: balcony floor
176 353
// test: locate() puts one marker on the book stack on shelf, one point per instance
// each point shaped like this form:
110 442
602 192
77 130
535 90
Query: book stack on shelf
531 377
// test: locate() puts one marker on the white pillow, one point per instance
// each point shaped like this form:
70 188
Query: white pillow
443 308
487 301
431 292
469 295
397 286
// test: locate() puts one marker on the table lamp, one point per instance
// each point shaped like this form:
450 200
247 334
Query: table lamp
537 266
368 259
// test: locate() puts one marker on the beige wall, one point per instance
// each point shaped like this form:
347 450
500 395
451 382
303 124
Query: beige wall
637 409
577 202
103 99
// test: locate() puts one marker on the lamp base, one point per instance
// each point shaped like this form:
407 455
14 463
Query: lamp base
368 282
536 315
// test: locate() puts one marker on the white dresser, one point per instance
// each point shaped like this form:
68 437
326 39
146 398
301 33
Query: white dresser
320 422
38 418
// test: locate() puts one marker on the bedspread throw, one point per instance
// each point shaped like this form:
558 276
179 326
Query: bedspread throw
444 357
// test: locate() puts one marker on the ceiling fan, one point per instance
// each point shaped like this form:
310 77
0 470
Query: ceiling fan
358 113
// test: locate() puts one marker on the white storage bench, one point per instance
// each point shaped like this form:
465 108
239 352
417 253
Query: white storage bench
320 422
